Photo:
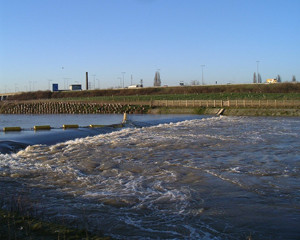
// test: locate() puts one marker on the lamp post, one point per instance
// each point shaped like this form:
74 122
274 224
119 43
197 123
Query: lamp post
202 66
49 83
123 73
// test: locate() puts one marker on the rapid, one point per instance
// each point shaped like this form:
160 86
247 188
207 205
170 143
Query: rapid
163 178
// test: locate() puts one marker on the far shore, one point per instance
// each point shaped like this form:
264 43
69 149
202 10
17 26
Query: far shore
294 112
281 99
211 107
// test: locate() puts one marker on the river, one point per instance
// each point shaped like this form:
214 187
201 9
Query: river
159 177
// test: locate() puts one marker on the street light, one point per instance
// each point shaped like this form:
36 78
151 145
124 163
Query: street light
120 81
49 85
202 66
123 78
94 81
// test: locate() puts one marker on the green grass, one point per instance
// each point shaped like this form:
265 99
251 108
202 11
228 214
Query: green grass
203 96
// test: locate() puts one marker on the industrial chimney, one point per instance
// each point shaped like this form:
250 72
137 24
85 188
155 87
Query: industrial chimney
87 80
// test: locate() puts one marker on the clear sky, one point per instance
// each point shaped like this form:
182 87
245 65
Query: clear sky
57 41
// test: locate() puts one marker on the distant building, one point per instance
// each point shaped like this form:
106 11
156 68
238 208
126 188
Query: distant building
271 80
157 81
135 86
75 87
55 87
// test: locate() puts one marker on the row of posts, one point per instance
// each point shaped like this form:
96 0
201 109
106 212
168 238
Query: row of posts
226 103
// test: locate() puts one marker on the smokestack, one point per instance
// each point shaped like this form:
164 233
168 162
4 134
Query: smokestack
87 80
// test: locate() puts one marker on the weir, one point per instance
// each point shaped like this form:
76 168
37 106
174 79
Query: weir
220 112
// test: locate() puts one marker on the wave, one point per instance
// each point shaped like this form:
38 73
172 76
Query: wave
16 141
11 146
175 175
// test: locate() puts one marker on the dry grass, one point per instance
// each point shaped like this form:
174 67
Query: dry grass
282 88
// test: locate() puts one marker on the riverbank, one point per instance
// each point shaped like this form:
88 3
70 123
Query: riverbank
227 111
49 107
16 226
212 108
280 91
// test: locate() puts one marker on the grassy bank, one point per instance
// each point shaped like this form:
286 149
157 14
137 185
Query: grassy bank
241 91
212 96
228 111
15 226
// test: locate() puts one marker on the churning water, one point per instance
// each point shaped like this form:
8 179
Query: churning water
186 178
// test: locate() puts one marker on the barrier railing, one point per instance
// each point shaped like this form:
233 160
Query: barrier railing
228 103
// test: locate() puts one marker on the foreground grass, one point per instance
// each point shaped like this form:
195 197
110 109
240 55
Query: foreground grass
14 226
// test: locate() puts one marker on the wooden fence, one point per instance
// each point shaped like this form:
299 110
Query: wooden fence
202 103
228 103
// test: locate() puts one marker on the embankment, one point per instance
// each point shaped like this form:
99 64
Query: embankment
227 111
206 108
69 108
242 91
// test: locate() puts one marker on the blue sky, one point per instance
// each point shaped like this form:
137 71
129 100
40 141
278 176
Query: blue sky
57 41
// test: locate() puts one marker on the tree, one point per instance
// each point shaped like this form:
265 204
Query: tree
294 78
278 78
254 78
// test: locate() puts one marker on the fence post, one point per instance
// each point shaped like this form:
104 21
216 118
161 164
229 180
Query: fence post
214 103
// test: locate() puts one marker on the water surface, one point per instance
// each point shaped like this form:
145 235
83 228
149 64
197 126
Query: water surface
166 177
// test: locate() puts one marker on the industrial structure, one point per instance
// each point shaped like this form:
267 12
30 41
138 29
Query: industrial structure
157 81
75 87
272 80
87 80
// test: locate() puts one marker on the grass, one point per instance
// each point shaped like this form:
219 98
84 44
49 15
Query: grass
15 226
19 220
203 96
239 91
